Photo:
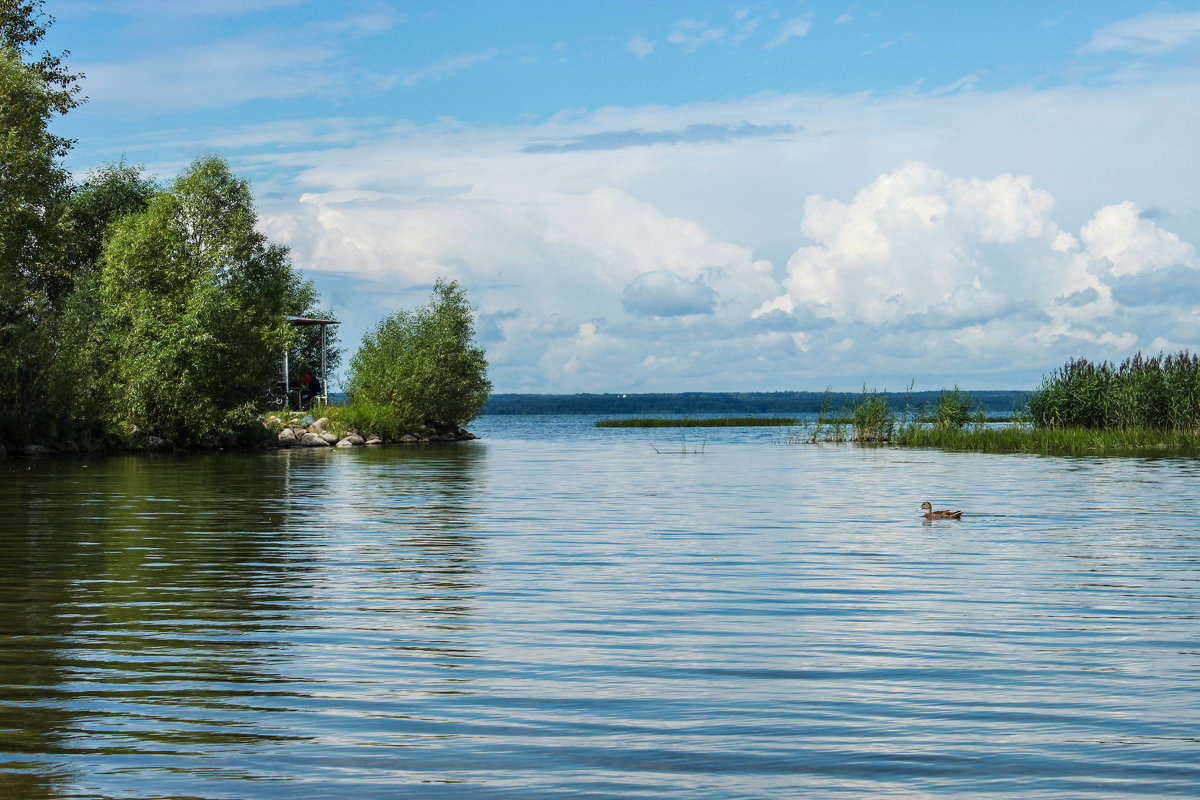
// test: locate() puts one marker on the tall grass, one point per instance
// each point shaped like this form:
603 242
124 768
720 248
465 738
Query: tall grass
1159 393
1145 405
367 418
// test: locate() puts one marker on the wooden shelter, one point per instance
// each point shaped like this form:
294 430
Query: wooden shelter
307 322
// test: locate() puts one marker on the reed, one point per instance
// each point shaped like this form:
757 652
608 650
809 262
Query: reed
1021 438
1157 393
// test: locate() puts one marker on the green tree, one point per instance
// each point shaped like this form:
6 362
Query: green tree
193 309
33 185
105 196
37 382
424 363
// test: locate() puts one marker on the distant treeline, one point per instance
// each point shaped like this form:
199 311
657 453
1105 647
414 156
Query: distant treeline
730 402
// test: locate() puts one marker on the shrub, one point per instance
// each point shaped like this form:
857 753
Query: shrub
424 364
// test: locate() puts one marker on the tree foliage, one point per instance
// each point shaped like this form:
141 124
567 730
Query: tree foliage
193 308
424 363
37 386
33 187
109 193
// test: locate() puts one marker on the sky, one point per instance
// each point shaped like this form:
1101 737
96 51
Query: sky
694 196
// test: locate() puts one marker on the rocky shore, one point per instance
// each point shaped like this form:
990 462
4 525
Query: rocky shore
297 429
289 429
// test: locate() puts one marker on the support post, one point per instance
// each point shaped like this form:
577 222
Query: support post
324 376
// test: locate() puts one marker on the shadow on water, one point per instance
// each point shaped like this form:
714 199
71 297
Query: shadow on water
153 607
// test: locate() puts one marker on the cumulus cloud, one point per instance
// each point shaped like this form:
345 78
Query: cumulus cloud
984 262
770 242
665 294
1131 242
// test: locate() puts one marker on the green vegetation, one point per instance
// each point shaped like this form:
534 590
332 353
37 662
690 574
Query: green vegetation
1156 394
364 417
131 309
423 365
1144 406
696 422
192 309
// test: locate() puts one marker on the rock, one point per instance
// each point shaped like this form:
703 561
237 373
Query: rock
332 438
286 438
313 440
374 441
158 445
70 446
408 438
319 425
38 450
352 440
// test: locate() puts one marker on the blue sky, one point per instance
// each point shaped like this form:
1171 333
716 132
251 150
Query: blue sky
695 196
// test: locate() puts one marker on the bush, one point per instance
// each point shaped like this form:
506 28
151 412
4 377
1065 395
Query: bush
424 363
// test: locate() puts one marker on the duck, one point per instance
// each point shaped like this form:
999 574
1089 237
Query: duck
944 514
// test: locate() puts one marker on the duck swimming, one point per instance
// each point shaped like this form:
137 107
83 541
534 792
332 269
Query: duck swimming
945 514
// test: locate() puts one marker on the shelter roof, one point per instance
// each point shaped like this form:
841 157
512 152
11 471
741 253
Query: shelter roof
302 321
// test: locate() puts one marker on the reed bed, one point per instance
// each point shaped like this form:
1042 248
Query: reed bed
1144 406
1158 393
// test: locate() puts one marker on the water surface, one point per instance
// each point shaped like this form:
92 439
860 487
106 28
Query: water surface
560 611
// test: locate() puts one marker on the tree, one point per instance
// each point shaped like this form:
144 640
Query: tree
33 185
37 379
193 309
107 194
32 189
424 363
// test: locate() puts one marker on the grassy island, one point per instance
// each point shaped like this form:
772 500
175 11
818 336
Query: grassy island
1144 406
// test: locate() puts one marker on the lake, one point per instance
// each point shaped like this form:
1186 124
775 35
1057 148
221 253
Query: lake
561 611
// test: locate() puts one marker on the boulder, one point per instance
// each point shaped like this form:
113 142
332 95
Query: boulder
408 438
319 425
158 445
313 440
332 438
38 450
374 441
352 440
286 438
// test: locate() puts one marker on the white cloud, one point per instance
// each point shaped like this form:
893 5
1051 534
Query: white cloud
863 260
1155 32
448 67
220 74
1132 244
692 35
978 264
640 46
796 28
